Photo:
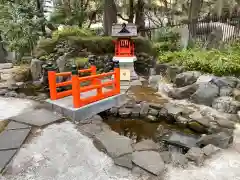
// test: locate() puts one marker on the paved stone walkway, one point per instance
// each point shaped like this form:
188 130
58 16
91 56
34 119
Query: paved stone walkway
61 152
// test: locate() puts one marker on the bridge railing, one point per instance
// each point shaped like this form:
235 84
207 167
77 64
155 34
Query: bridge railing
76 90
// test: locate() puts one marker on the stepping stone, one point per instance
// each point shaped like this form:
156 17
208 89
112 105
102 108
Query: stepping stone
5 158
114 144
13 139
15 125
150 161
37 117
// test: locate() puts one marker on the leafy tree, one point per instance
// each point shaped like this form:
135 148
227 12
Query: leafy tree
20 25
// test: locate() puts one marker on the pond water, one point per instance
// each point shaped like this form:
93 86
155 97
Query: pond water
139 129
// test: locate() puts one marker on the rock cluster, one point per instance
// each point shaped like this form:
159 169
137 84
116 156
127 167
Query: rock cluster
221 93
186 117
13 79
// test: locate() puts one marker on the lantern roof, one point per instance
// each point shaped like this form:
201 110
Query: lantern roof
124 30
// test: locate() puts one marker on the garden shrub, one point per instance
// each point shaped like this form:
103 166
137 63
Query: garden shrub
95 44
71 31
166 39
216 62
80 61
45 47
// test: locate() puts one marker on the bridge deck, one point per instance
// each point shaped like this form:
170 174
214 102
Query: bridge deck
65 105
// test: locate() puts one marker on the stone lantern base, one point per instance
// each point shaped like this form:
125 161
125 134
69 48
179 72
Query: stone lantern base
126 65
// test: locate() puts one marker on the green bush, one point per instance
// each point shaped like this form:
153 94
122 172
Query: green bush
80 62
95 44
45 47
166 34
214 61
71 31
166 39
164 46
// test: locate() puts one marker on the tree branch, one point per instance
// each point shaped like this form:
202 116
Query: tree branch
125 19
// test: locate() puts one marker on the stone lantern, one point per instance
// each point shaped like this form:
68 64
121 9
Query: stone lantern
124 50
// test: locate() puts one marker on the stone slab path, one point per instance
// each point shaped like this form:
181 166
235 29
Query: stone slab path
15 125
37 117
11 139
5 158
61 152
12 107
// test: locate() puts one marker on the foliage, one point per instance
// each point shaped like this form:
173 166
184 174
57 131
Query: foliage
93 44
74 12
71 31
216 62
166 39
20 26
166 34
79 61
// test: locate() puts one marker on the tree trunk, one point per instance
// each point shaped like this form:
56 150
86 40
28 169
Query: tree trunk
195 7
131 11
41 13
110 16
140 20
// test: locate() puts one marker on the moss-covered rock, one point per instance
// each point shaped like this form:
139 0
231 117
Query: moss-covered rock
22 74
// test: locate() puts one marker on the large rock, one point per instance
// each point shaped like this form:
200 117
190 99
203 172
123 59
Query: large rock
114 144
179 160
36 69
198 117
183 92
225 81
196 154
205 94
210 150
236 94
171 112
226 91
226 104
172 72
150 161
187 78
205 78
221 140
153 81
62 63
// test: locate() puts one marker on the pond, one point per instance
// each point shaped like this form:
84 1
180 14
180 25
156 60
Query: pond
139 129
